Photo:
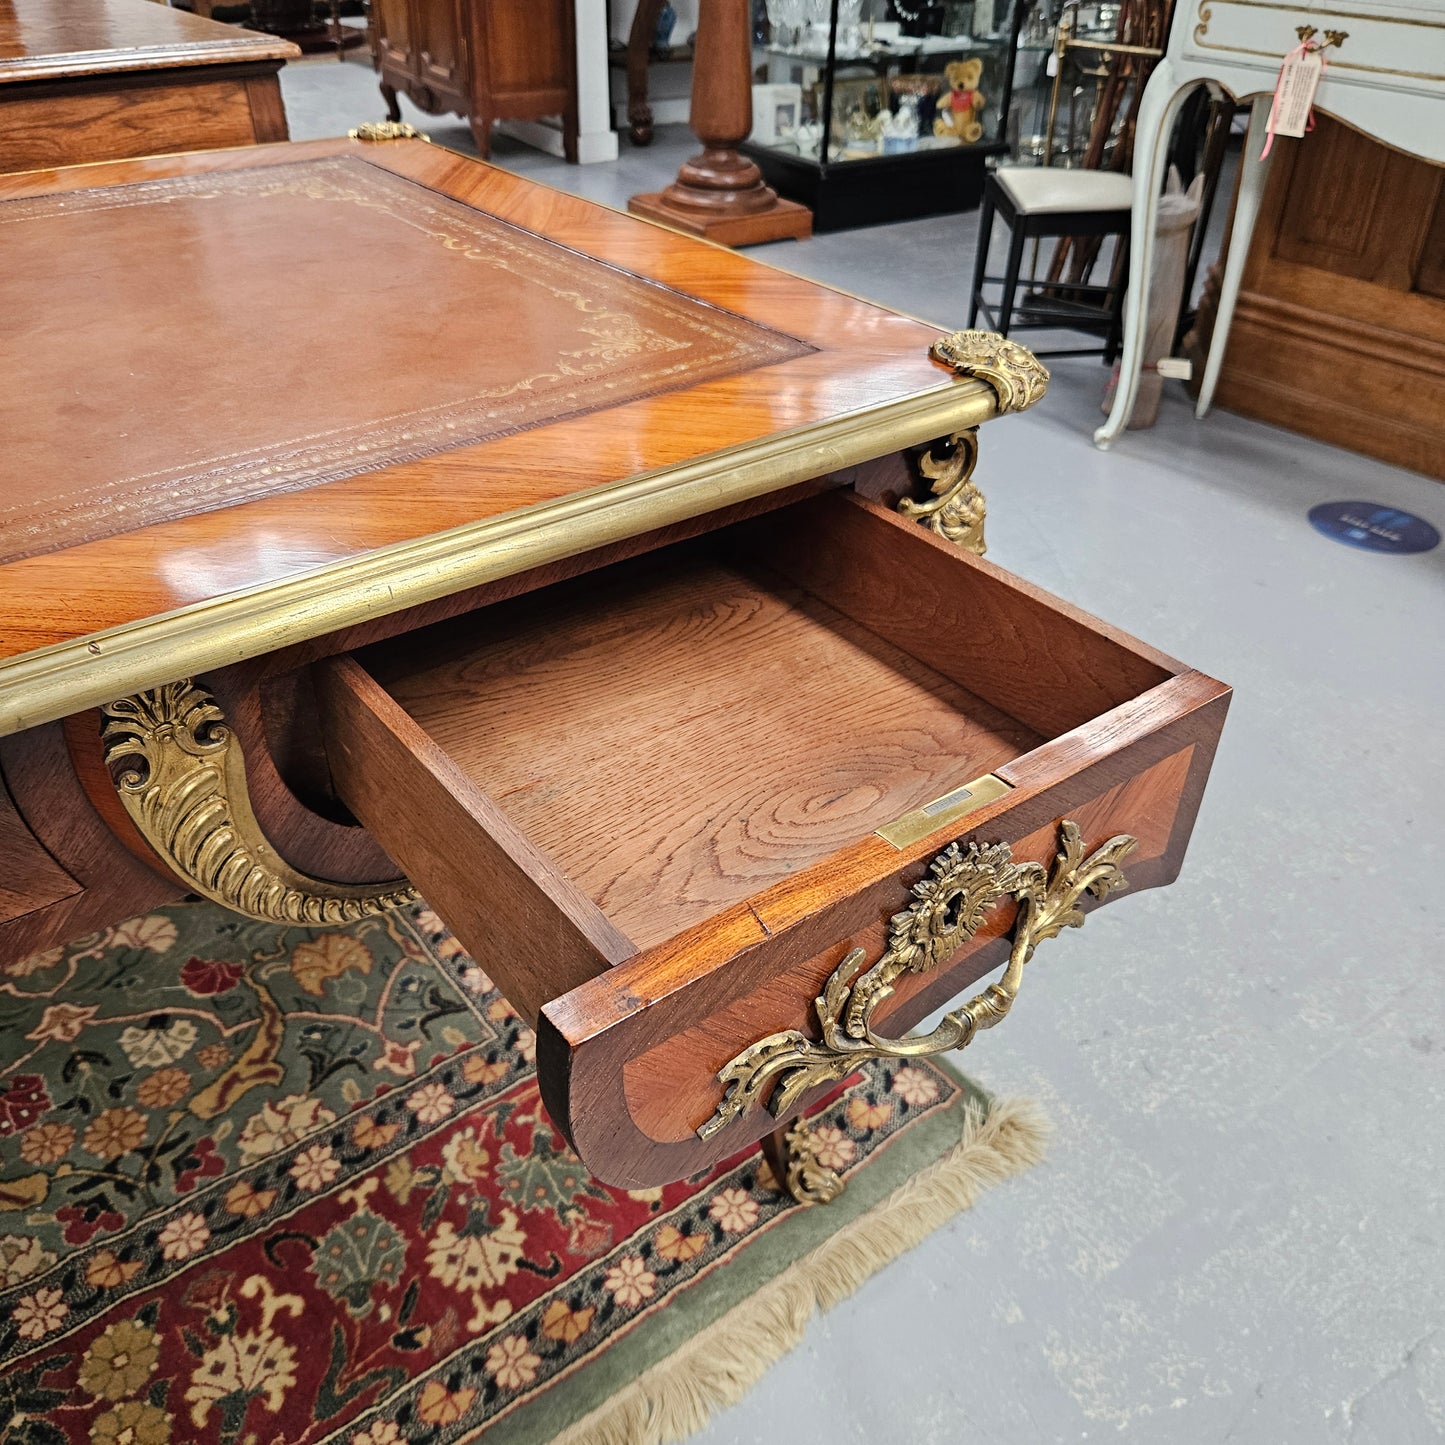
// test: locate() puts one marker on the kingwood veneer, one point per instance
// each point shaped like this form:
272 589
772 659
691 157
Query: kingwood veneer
602 582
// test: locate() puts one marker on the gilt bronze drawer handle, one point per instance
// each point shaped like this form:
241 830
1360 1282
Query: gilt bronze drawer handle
950 902
181 777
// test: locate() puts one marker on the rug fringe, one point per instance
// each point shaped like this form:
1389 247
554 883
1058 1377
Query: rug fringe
720 1364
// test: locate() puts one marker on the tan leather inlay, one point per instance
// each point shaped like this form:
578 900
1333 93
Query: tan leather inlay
200 341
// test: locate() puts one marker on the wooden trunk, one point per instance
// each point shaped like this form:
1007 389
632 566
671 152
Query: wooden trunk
1345 286
487 60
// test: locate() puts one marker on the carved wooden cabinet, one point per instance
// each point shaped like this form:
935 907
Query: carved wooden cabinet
487 60
636 620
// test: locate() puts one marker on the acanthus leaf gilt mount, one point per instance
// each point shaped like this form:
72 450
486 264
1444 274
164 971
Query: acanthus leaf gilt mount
1017 376
181 777
950 901
956 509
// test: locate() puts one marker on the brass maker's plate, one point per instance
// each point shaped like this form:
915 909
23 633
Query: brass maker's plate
955 804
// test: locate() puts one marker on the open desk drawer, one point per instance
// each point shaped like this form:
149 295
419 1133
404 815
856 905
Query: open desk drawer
662 802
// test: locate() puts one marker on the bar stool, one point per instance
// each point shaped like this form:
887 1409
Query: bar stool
1039 201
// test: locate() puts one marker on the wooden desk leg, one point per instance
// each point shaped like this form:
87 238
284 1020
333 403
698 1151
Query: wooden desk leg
1253 174
1158 110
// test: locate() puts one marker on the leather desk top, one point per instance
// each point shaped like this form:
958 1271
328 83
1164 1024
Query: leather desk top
64 39
437 327
257 395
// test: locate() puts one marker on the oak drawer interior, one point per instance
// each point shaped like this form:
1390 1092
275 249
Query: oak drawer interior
644 747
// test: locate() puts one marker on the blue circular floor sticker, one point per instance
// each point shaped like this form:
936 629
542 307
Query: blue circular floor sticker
1373 527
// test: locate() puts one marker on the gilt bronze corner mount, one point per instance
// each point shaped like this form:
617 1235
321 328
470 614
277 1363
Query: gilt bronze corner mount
1017 376
797 1162
382 130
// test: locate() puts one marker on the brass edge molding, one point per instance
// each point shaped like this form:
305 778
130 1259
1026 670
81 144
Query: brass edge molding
165 55
958 509
1014 372
950 901
181 777
384 130
88 671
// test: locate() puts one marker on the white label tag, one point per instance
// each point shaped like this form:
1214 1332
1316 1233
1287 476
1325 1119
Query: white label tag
1051 66
1176 368
1299 78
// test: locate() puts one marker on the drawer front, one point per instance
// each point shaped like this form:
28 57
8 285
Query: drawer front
662 804
1392 47
629 1061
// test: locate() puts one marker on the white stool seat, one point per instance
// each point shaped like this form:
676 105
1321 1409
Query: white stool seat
1038 189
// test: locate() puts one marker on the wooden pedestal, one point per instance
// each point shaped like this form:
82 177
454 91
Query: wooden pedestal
782 221
719 194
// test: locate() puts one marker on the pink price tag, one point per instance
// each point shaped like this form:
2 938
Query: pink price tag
1294 93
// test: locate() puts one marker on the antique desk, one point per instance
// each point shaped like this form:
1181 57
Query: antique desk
618 591
99 80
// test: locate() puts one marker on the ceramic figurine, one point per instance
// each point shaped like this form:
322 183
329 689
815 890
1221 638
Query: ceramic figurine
901 129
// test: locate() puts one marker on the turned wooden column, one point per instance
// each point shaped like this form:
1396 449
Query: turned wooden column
720 193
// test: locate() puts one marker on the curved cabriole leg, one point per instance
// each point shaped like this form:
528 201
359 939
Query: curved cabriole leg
181 778
1158 110
1252 176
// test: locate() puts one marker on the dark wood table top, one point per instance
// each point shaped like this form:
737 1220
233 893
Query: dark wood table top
65 39
263 394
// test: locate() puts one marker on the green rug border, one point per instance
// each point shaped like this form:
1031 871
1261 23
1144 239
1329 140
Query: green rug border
761 1259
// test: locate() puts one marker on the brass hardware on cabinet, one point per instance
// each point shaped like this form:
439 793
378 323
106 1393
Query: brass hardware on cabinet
950 902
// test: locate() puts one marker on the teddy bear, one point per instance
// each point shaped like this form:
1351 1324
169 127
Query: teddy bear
957 111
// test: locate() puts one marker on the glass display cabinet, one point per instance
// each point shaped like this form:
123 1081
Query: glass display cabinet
881 110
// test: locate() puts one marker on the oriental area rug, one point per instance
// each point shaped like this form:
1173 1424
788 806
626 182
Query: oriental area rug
287 1186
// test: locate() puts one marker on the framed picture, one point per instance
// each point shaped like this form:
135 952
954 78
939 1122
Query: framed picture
777 109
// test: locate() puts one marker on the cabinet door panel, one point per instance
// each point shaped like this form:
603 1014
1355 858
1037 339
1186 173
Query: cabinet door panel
394 33
441 47
528 49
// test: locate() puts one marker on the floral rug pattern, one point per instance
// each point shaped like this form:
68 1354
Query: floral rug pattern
284 1186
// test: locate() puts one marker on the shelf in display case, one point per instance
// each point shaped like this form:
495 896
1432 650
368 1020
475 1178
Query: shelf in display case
863 123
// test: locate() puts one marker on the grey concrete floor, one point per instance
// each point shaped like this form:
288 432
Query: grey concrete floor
1239 1233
